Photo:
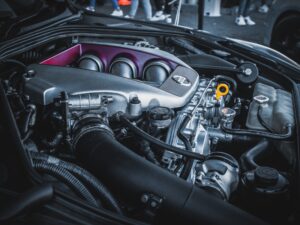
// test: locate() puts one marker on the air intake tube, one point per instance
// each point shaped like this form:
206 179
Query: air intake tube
136 181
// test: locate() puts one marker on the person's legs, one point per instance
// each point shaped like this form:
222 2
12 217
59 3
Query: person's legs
92 5
242 7
168 10
269 2
166 15
266 4
159 14
147 9
117 10
133 8
168 7
246 8
115 4
158 5
246 16
240 20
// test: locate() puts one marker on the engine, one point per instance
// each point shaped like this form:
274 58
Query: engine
88 91
154 118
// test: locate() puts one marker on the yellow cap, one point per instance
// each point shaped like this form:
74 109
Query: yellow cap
222 90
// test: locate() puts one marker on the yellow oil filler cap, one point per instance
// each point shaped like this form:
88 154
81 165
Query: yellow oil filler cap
222 90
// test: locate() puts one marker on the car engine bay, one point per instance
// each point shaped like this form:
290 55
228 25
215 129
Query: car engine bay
146 130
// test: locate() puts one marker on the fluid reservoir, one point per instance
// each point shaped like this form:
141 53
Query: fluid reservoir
265 193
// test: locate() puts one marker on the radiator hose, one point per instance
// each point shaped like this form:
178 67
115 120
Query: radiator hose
131 178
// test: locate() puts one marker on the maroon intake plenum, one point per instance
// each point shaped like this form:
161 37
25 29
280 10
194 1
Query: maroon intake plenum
107 54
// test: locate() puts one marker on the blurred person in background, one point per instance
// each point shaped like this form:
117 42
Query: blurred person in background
134 7
265 7
163 10
117 10
91 6
243 14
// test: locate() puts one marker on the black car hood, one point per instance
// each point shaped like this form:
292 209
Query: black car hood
18 16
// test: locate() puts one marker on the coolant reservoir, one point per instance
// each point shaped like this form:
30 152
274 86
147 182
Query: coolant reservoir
274 107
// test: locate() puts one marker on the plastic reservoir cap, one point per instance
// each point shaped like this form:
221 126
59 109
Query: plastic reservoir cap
222 90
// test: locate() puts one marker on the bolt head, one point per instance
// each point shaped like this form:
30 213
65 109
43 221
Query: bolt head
144 198
248 71
153 204
30 73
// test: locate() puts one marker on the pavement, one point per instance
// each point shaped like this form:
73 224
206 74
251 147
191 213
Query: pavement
225 26
221 26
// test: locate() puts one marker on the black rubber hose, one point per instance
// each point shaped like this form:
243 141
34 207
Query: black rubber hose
262 121
67 178
102 192
131 177
35 197
158 142
258 133
248 159
186 170
147 152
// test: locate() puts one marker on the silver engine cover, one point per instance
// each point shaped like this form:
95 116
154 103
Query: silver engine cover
49 81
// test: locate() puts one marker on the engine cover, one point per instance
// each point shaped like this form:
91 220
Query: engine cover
49 81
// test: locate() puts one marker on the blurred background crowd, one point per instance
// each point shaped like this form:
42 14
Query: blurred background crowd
242 19
161 10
